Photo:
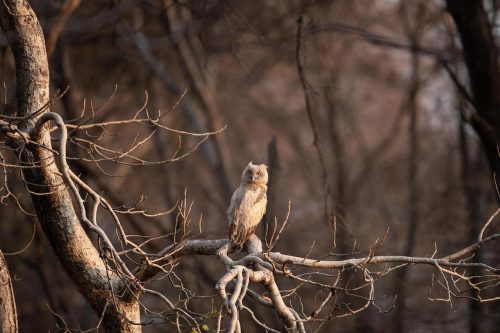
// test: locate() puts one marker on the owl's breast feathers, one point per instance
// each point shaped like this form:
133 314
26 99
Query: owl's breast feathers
247 207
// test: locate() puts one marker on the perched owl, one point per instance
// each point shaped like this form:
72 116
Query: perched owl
248 203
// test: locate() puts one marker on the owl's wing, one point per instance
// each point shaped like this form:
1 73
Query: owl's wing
257 208
245 213
234 205
234 215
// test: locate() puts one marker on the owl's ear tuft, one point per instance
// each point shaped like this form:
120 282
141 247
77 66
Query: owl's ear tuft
263 166
250 163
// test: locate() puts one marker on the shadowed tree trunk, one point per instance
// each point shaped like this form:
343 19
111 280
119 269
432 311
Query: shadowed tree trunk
413 33
51 200
8 312
484 75
341 176
274 168
471 168
413 197
481 59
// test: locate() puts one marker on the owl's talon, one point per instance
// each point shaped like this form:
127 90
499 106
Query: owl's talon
226 308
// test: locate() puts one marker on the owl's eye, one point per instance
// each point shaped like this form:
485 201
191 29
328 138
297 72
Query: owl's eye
259 173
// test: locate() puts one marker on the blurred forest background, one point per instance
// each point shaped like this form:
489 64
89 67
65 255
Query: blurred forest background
383 144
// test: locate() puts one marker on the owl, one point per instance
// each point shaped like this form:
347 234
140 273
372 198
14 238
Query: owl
248 204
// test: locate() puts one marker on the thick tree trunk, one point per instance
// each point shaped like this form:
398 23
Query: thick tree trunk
274 168
481 59
8 312
51 200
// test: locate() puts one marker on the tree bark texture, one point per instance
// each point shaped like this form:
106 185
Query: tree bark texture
8 312
51 200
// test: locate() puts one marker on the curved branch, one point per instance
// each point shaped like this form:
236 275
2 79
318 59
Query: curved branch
211 247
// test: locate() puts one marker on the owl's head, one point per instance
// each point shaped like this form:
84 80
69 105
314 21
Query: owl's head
254 174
